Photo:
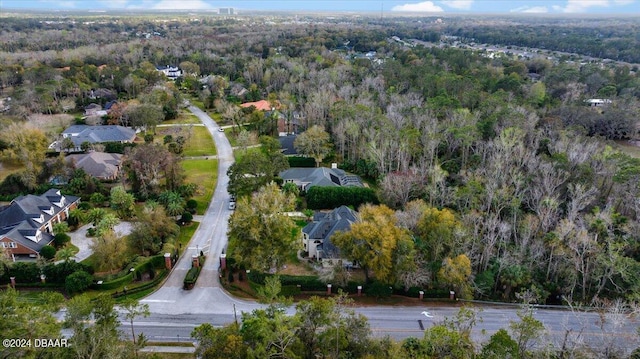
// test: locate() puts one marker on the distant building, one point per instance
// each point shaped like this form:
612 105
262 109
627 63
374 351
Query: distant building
172 72
598 102
262 105
226 11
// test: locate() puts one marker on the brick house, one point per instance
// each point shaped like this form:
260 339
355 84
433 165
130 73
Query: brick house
26 225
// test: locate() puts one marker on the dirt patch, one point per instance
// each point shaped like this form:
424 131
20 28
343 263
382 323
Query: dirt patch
51 124
297 269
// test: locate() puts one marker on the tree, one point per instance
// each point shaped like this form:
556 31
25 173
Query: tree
219 343
153 228
172 202
29 321
438 230
255 169
314 142
456 272
110 252
24 143
262 234
152 168
373 241
100 339
500 346
122 202
132 310
526 332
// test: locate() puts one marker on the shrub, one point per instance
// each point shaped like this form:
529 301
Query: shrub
191 205
186 218
230 277
60 239
78 282
48 252
379 290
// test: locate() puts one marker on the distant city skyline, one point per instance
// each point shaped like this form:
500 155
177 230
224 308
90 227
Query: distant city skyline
629 7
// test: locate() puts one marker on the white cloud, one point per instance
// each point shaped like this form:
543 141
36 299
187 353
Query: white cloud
425 6
69 3
575 6
623 2
182 5
459 4
115 4
531 9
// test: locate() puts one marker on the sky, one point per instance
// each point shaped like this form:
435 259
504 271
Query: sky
630 7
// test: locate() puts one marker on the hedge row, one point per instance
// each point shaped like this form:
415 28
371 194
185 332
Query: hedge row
320 197
193 273
308 283
292 285
29 272
297 161
148 285
148 266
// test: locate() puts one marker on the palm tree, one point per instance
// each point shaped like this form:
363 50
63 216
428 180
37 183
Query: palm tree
66 253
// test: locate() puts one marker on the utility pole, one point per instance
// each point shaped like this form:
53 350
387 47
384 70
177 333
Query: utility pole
235 315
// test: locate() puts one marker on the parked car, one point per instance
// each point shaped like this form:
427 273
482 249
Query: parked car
232 205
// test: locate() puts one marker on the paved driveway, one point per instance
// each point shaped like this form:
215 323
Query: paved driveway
79 239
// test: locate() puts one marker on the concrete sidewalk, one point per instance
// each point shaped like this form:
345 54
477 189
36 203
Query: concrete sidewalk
163 349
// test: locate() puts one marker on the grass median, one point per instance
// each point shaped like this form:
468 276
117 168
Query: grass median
204 173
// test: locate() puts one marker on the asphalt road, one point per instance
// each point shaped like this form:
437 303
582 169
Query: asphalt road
403 322
175 311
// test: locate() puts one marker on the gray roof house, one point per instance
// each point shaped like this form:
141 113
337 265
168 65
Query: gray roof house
98 134
316 236
319 176
100 165
26 225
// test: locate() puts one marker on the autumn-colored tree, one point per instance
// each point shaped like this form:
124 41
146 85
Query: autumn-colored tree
25 144
455 273
374 242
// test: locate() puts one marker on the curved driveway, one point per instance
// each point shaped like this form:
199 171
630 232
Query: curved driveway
211 238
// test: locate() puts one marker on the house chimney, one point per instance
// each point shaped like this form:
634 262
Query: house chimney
334 165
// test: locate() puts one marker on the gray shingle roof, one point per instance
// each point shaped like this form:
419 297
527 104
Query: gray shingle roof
99 134
97 164
324 225
26 214
320 176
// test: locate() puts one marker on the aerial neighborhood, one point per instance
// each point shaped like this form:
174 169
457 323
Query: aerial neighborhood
220 182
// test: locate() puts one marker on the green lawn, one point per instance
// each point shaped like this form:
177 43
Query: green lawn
186 232
200 143
183 118
204 173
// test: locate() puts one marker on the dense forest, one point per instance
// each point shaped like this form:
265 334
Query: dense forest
535 194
